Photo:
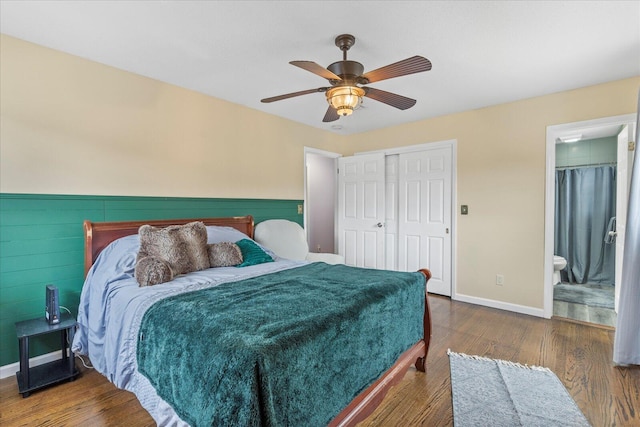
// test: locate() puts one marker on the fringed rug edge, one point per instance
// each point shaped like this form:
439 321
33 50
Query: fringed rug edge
498 361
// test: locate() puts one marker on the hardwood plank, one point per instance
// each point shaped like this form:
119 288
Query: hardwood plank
579 354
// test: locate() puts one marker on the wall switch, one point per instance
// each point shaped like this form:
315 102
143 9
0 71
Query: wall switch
299 209
499 279
464 210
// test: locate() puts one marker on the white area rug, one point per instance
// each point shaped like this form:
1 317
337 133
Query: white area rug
490 392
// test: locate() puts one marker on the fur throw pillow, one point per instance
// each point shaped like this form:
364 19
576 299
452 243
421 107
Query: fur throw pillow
183 248
151 271
224 254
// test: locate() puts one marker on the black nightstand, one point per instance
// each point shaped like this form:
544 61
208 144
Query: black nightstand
30 379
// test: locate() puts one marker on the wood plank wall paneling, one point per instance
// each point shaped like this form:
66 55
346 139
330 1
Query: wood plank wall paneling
41 242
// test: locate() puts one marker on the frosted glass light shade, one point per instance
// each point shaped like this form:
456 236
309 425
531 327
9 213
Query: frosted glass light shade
345 99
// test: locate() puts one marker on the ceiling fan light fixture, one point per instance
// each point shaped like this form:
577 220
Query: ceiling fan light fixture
344 95
345 99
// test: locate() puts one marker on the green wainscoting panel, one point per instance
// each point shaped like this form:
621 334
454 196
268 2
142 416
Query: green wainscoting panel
41 242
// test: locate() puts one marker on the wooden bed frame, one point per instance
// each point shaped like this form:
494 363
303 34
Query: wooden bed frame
97 235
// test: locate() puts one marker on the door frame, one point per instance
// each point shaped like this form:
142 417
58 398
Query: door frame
453 144
553 133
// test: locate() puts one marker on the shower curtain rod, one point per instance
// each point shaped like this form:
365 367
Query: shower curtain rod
587 165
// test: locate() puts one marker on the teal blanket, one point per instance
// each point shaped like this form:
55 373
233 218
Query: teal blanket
291 348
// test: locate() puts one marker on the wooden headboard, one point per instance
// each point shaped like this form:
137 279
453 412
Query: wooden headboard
98 235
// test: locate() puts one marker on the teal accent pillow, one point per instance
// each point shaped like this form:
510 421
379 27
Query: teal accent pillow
252 254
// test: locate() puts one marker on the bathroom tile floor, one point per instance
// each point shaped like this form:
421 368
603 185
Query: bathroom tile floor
585 313
591 303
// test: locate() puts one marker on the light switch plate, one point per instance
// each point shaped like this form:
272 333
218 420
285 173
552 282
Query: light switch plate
464 210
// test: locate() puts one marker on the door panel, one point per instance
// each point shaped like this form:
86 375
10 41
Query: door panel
412 248
424 218
436 258
437 199
370 249
370 200
361 210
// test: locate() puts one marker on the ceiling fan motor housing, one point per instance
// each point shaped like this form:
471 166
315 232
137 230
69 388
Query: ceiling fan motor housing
348 71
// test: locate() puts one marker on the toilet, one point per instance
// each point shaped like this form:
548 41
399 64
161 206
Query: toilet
558 264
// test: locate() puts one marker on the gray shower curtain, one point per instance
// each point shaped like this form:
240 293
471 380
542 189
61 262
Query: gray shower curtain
585 204
626 347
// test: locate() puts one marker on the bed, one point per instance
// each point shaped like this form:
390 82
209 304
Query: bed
298 360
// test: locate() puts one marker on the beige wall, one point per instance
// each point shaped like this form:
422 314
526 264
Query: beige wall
71 126
501 176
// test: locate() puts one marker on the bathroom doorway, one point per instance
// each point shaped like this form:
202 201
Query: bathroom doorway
585 216
585 163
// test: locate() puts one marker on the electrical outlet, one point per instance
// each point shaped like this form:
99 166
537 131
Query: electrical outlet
299 209
499 279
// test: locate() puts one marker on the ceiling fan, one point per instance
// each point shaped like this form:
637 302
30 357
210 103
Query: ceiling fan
347 79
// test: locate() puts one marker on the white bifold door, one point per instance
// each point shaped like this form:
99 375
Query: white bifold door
424 216
395 212
361 202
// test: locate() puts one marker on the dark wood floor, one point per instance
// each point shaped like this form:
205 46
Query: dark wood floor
579 354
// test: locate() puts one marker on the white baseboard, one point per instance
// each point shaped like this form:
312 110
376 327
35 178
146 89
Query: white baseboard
523 309
11 369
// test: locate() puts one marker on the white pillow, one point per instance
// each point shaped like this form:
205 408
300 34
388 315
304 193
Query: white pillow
286 238
218 234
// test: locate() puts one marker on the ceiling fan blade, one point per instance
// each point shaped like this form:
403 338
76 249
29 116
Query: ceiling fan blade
393 99
316 69
331 115
293 94
415 64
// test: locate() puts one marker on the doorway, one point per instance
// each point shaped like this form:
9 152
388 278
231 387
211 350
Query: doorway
586 302
320 198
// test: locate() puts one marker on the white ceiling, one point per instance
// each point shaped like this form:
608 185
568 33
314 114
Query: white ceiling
483 52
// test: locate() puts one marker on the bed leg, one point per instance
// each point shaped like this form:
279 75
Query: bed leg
421 363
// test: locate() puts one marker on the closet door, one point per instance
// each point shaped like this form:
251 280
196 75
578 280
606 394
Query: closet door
424 215
361 210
